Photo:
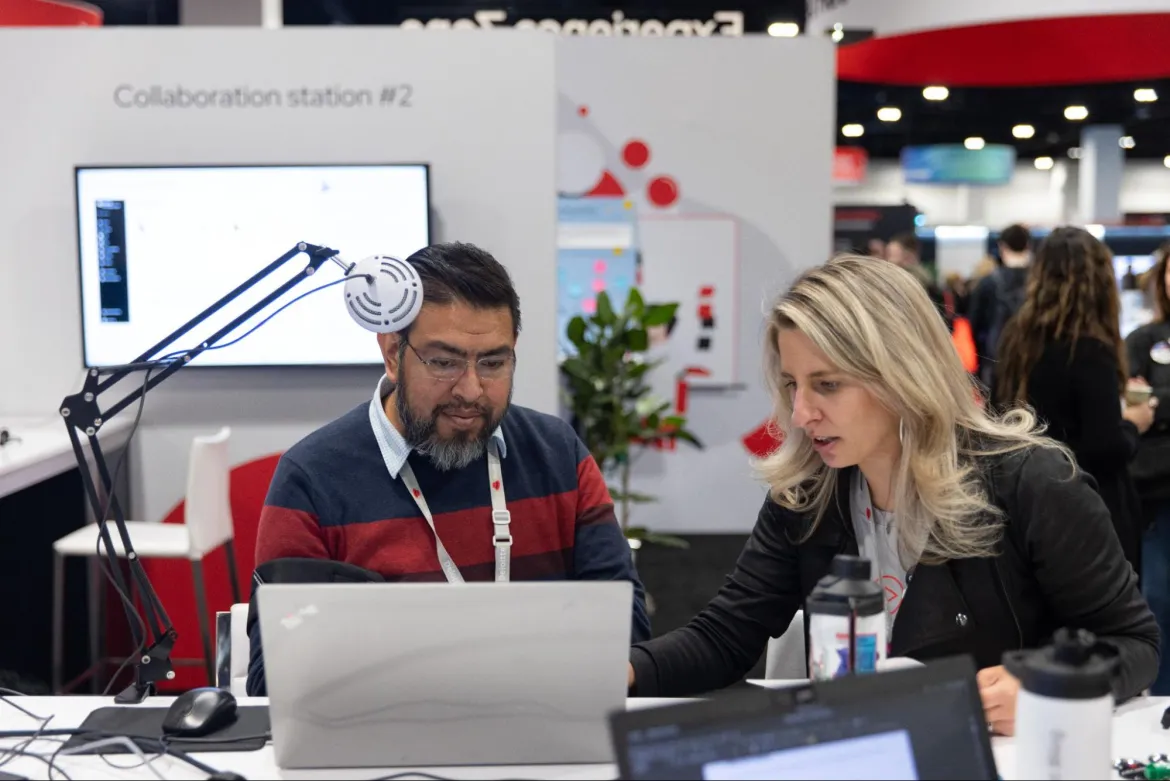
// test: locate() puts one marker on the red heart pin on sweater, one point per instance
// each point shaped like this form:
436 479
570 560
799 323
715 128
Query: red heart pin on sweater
496 485
418 493
867 512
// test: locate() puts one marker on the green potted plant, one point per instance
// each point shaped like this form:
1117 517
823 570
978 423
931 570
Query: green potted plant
610 398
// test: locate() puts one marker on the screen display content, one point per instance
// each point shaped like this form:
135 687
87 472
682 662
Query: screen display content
159 245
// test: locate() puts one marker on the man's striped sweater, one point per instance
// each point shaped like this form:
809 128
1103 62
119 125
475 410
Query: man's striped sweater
332 497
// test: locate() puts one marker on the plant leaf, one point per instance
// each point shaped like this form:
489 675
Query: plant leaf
635 306
638 340
575 367
605 314
687 436
576 331
659 314
632 496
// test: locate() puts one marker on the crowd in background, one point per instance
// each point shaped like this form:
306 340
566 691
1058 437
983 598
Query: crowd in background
1039 324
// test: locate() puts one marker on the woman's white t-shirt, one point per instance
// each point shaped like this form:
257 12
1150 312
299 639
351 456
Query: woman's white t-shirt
878 540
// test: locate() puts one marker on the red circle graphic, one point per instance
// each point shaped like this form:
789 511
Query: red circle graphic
636 154
662 191
583 111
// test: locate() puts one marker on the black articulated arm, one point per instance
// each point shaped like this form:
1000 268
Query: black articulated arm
155 636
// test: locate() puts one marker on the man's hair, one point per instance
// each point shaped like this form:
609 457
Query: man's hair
909 241
1016 238
461 272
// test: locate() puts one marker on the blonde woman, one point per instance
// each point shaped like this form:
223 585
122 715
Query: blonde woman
889 454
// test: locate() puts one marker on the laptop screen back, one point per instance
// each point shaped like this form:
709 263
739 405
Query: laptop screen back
921 723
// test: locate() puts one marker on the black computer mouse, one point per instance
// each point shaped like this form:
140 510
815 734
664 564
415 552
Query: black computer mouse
199 712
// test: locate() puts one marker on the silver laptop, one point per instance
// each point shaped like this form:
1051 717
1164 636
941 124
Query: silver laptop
402 675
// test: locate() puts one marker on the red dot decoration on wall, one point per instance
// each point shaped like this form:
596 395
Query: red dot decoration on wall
582 111
662 191
635 154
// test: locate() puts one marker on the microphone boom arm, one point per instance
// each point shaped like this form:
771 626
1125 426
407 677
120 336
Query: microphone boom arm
82 413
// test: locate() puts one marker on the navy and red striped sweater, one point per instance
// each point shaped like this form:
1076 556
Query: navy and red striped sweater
332 498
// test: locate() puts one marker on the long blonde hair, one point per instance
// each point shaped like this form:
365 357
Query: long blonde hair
875 322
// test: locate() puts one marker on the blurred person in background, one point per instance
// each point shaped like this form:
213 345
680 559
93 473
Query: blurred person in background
889 454
986 265
1148 350
1063 356
957 292
905 250
999 295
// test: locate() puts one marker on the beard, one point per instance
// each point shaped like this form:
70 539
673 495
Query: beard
447 453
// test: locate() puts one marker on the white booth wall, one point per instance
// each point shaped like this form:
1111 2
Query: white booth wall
482 114
721 115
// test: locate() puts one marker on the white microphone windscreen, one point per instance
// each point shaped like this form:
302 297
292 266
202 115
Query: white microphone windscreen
383 294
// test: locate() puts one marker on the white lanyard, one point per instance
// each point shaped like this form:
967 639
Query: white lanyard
501 518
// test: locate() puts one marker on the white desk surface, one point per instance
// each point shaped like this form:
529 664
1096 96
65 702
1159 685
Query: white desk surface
44 449
1137 732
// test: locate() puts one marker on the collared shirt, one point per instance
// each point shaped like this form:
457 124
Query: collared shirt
393 445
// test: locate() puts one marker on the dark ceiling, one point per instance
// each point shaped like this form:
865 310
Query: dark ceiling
988 113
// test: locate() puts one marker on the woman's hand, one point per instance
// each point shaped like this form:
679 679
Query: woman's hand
998 689
1141 415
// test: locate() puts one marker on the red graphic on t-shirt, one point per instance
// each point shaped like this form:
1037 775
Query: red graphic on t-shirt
894 590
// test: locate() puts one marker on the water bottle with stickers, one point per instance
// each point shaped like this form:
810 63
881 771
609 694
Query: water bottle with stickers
847 621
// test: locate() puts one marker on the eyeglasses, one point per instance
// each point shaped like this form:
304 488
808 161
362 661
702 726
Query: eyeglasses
450 368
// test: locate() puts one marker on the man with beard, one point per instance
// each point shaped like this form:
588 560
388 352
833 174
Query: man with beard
406 486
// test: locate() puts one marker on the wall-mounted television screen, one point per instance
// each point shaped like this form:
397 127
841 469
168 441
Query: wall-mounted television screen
158 245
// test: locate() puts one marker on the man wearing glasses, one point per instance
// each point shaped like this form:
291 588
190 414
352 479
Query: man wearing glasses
439 477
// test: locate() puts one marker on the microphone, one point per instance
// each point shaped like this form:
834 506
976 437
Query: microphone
383 294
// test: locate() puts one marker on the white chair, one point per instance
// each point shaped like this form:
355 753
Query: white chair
786 658
232 649
207 526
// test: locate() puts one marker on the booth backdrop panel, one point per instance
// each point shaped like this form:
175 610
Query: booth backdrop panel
481 113
725 150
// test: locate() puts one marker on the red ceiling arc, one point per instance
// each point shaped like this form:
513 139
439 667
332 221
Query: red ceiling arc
48 13
1036 52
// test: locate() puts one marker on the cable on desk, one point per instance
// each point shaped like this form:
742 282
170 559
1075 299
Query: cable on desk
19 749
165 746
117 741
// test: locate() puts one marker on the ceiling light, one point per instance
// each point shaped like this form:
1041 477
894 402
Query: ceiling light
853 130
1166 161
1145 95
889 114
974 143
838 33
1076 113
1045 163
936 93
1023 131
784 29
1126 142
1074 152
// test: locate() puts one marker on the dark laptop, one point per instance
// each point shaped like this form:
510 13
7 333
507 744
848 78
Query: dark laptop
925 722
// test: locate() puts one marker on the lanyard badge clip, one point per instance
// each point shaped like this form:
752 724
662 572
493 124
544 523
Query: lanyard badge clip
502 521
